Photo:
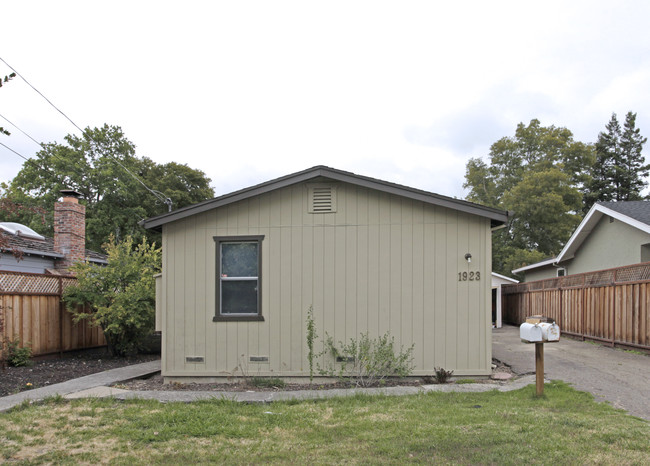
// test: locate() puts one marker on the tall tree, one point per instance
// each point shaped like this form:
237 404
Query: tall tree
96 165
538 175
620 168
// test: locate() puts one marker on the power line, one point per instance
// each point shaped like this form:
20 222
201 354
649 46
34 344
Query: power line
39 93
12 124
17 153
161 197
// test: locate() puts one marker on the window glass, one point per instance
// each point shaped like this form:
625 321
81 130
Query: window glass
239 259
239 297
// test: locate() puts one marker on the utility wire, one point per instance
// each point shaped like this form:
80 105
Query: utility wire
17 153
39 93
161 197
69 166
12 124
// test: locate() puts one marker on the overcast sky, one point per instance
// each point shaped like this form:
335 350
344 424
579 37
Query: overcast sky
248 91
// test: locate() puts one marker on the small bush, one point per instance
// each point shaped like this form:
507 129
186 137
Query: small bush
442 376
367 361
17 356
264 382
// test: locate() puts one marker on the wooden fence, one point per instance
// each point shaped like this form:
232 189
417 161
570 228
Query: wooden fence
611 306
32 312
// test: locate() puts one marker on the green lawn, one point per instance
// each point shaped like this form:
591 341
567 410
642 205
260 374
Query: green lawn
565 426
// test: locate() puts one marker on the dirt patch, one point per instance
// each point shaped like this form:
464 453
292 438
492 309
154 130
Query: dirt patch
50 371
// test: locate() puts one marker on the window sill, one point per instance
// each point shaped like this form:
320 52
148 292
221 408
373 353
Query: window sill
240 318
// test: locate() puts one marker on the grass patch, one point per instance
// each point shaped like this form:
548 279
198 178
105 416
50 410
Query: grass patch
464 428
267 382
464 381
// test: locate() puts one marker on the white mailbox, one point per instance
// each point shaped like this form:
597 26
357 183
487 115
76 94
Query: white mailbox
530 333
550 331
539 330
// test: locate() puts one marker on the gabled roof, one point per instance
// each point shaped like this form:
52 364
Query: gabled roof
503 277
634 213
536 265
497 217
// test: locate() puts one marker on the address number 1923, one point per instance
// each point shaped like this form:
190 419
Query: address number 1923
469 276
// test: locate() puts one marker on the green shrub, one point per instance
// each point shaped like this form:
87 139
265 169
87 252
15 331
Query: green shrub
442 376
119 297
311 337
367 361
17 356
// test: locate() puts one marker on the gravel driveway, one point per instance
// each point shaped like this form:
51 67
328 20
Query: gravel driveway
619 377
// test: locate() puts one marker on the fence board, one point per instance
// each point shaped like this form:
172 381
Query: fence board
31 311
608 305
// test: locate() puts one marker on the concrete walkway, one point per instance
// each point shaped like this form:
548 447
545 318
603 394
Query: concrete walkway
82 384
612 375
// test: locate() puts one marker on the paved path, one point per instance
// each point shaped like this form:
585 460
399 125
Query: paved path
89 382
613 375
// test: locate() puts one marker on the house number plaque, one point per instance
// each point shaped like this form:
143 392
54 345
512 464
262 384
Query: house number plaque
469 276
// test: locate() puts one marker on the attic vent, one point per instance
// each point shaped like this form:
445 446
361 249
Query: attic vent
322 199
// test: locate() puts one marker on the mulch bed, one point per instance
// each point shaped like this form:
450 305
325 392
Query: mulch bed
155 382
50 371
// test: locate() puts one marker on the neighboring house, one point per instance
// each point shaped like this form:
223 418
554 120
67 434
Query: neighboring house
612 234
240 272
497 309
39 254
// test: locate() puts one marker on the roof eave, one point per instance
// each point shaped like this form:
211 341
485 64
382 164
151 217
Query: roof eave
497 217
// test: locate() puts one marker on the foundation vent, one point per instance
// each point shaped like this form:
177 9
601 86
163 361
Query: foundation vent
322 199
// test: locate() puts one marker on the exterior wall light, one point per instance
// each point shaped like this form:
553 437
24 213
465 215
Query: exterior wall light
468 258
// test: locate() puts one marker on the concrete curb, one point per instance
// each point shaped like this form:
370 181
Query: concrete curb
269 397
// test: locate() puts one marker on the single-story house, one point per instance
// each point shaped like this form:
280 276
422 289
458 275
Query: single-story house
41 254
241 271
612 234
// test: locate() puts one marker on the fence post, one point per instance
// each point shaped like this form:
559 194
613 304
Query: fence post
60 317
613 313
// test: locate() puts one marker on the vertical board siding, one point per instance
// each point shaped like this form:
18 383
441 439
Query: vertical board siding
379 264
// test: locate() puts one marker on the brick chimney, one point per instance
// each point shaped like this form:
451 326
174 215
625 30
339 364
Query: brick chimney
69 229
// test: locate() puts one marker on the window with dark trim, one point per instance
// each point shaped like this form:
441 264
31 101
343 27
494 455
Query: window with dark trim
239 281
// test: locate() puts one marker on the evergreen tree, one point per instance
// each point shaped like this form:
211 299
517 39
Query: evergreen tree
620 169
636 170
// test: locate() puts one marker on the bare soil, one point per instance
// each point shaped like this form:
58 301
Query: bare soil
50 371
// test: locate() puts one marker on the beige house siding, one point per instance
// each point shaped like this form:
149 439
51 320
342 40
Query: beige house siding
380 263
610 244
541 273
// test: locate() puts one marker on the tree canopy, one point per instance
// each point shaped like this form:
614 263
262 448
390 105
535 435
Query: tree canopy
620 169
538 175
95 165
